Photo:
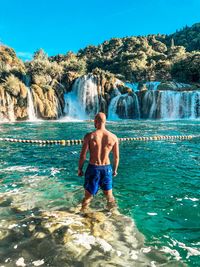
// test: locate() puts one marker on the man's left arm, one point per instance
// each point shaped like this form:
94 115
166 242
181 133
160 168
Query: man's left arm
115 157
83 155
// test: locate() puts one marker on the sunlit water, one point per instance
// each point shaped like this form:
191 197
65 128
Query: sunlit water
157 183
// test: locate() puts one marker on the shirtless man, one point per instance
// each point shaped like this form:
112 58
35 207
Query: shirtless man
99 171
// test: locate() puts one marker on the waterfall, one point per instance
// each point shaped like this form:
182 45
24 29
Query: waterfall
124 106
11 113
150 104
180 105
30 106
195 103
133 86
112 108
152 85
73 108
83 101
171 105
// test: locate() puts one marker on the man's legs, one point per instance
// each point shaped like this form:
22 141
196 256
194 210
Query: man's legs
86 201
110 198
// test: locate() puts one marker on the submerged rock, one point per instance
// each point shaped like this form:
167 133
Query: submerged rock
51 237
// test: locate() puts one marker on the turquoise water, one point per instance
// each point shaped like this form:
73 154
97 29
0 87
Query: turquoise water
157 183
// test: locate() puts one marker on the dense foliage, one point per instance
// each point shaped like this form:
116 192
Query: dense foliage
141 58
189 37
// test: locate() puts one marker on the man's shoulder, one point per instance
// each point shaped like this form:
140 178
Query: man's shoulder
112 135
88 135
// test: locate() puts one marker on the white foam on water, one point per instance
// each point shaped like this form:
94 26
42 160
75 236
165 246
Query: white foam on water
190 251
20 262
146 250
192 199
69 119
172 252
152 213
38 262
20 169
54 171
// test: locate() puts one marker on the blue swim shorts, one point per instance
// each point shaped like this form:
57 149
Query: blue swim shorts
98 176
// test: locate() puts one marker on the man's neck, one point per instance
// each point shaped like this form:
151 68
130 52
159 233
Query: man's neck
101 127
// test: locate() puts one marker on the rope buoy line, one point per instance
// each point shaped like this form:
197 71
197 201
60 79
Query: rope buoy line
79 141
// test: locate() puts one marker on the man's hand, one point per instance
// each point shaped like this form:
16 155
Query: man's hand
114 173
80 172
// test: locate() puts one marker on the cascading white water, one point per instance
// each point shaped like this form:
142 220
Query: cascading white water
11 113
112 108
150 100
172 104
127 104
195 103
180 105
30 106
73 108
82 102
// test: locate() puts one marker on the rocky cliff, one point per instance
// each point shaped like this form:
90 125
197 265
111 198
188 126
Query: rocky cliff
38 87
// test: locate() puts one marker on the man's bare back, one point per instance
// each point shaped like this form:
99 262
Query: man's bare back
101 143
99 171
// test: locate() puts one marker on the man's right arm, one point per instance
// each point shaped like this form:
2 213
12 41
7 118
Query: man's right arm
115 157
83 154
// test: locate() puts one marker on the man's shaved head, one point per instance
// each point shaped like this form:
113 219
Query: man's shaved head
100 117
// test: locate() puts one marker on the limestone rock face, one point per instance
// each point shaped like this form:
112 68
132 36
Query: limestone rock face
13 92
68 79
13 98
45 101
106 81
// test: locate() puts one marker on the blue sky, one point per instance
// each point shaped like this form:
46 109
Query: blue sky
63 25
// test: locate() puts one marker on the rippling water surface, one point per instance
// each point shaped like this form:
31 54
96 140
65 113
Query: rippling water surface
158 182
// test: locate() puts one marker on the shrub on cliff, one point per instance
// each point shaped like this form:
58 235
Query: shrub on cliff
15 87
42 70
72 63
9 63
187 70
